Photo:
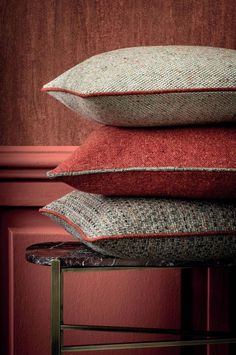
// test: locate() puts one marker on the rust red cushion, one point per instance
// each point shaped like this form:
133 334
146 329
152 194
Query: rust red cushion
196 162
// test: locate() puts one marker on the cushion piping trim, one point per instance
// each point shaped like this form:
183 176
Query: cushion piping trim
154 169
139 235
138 92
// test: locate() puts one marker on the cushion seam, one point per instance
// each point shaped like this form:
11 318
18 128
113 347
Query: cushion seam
155 169
138 92
139 235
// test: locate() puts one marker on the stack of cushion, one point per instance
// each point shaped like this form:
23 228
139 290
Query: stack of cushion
160 185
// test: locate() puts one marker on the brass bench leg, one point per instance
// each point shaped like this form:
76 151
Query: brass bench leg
56 308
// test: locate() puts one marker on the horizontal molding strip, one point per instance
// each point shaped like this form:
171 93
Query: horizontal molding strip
23 180
36 157
23 174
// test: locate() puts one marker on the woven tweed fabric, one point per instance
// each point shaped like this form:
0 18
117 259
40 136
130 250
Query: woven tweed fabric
152 86
197 162
148 227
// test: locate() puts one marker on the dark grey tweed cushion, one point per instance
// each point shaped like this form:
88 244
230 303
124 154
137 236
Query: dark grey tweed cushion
163 229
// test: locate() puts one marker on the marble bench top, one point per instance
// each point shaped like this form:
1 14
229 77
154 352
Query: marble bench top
77 255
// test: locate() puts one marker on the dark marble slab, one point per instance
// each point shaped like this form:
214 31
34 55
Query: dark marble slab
75 254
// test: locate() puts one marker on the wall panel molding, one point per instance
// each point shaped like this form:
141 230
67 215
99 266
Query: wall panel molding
23 180
35 157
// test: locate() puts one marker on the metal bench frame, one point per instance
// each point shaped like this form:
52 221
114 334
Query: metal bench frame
58 327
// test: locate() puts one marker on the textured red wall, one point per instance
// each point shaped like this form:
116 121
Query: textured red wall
41 39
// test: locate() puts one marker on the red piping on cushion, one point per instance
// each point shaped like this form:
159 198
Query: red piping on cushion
148 92
161 235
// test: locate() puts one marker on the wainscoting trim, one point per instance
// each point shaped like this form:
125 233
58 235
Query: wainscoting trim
23 180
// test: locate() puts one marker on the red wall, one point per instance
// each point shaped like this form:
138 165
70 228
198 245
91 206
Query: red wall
40 40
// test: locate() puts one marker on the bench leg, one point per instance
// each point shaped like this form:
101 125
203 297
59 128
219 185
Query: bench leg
56 308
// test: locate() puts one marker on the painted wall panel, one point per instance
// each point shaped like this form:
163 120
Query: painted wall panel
123 298
134 298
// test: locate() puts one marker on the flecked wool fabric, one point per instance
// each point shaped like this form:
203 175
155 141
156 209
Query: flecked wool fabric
196 162
163 229
152 86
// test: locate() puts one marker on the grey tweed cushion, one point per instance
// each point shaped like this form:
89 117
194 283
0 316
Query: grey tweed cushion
167 230
152 86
